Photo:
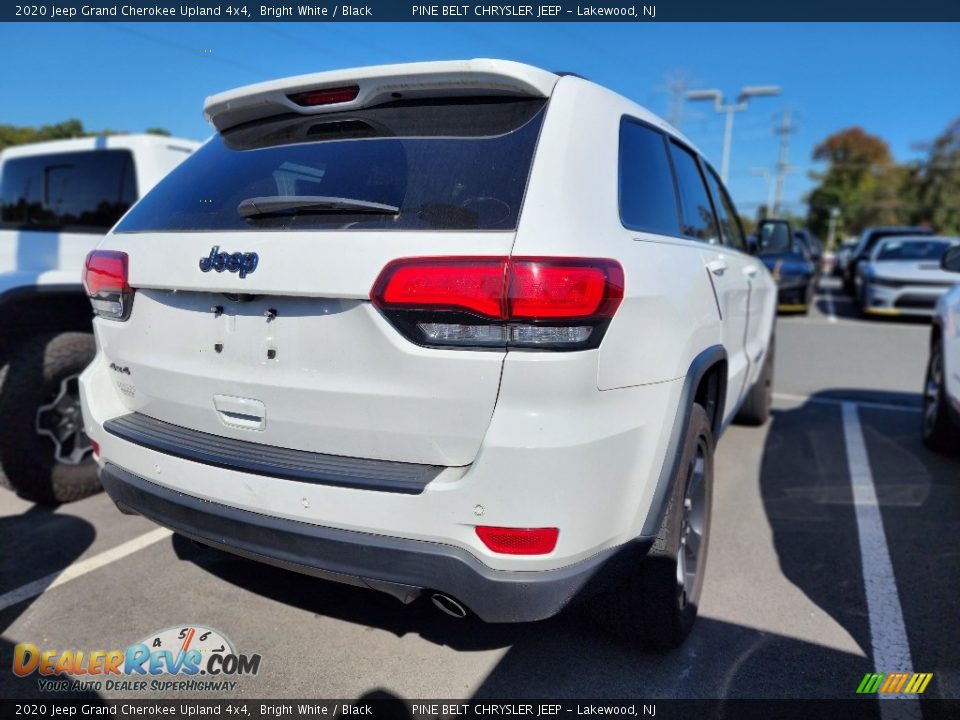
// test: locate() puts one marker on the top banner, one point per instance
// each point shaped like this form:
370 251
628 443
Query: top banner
501 11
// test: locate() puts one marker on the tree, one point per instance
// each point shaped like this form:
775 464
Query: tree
72 128
937 183
13 135
861 179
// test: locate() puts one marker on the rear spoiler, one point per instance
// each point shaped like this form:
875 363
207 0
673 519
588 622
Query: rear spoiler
363 87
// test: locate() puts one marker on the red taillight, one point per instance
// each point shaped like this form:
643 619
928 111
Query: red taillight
96 449
473 284
541 289
519 541
326 96
546 303
105 280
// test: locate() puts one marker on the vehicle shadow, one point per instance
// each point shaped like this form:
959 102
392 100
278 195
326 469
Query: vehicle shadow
356 605
807 497
26 559
566 657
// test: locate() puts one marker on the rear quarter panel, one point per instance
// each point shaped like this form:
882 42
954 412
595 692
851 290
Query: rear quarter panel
669 313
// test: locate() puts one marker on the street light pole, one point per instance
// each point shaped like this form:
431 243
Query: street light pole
832 227
727 140
741 104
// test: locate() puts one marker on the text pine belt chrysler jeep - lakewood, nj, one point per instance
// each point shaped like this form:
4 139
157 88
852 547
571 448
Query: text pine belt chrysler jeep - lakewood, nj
462 329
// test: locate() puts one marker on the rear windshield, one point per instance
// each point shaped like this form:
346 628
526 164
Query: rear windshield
77 191
913 250
435 165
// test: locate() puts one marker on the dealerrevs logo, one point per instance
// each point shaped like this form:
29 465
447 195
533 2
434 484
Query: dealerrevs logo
188 657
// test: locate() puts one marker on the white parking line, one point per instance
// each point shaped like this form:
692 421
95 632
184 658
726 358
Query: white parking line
888 633
77 569
845 401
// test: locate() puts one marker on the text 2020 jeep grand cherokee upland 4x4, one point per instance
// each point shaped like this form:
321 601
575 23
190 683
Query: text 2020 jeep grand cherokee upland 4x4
57 200
464 328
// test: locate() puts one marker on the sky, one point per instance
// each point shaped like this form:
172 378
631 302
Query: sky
896 80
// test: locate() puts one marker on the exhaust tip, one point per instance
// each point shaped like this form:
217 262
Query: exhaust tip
448 605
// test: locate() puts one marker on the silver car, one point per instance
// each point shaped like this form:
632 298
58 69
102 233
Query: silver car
903 276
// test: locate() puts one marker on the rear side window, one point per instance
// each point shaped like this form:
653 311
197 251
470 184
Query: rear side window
80 191
426 165
698 219
648 198
726 213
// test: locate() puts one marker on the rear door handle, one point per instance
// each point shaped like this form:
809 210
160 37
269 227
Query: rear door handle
717 267
750 270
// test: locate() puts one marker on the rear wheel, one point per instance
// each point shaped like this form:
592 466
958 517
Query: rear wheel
44 453
939 431
756 406
657 604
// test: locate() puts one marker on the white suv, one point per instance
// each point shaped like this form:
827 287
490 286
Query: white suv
468 329
57 201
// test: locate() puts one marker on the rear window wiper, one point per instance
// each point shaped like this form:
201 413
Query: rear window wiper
271 205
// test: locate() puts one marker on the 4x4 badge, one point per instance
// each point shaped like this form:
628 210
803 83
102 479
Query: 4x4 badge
243 263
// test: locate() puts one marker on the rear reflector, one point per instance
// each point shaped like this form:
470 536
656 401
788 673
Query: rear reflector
96 449
105 280
547 303
519 541
326 96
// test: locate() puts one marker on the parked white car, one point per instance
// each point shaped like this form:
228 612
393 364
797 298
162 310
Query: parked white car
941 396
903 276
57 200
469 329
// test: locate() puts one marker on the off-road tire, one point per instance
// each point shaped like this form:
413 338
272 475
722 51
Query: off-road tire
31 378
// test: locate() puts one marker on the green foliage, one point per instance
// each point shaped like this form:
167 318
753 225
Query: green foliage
72 128
861 179
13 135
869 188
937 183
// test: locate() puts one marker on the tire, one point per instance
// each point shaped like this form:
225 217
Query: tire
755 409
39 372
940 433
651 607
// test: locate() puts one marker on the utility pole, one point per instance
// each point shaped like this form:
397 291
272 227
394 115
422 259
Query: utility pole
783 166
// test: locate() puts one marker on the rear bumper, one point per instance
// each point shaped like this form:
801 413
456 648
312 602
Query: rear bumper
398 566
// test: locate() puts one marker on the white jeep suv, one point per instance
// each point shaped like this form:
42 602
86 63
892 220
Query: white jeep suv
468 329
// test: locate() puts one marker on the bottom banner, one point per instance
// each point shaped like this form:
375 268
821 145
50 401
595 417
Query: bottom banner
382 708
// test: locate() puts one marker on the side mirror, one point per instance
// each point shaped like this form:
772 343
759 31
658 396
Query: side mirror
774 236
951 259
753 244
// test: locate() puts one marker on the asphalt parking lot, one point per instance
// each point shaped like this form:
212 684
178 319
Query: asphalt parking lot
802 594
